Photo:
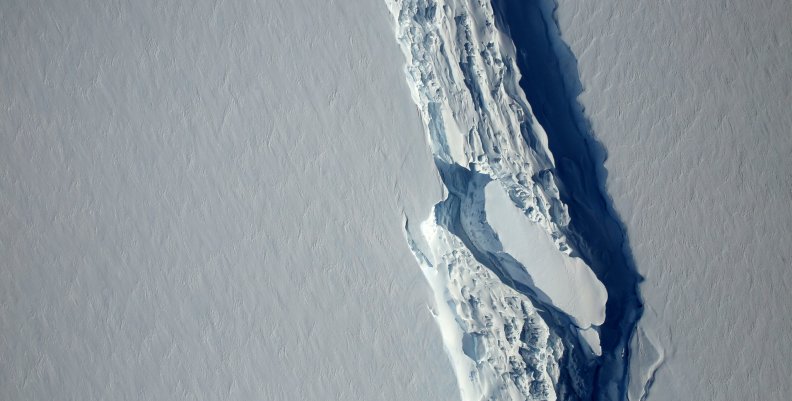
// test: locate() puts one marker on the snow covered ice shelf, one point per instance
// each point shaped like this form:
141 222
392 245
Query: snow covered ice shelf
203 200
210 200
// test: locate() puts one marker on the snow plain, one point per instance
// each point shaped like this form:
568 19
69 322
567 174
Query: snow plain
204 200
693 102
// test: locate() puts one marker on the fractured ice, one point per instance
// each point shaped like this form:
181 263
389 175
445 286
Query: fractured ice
519 309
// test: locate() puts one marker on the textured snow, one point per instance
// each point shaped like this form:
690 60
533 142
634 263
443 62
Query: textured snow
203 200
692 101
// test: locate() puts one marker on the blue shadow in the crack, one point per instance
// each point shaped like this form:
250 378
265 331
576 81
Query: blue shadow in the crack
551 83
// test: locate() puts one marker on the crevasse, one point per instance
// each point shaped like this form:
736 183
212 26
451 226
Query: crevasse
518 308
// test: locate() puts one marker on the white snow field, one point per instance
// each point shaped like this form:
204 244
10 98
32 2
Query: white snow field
693 102
204 200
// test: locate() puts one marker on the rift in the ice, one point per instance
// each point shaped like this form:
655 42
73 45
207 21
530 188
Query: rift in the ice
551 84
489 132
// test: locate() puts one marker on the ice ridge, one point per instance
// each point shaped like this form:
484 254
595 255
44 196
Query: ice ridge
519 308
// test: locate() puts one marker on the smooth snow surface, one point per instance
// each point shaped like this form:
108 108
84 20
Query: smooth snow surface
203 200
693 102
